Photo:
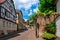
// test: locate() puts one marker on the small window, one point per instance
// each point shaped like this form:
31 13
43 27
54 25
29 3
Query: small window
3 23
5 13
10 24
2 11
7 24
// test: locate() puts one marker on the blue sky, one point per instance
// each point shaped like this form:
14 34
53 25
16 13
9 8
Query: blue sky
28 7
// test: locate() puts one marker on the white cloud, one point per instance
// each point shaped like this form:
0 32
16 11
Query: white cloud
25 3
30 13
25 19
35 10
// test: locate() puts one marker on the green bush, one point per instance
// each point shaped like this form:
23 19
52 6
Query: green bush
49 36
51 28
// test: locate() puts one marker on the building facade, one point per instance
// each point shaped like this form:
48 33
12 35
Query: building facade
7 17
58 18
19 20
57 3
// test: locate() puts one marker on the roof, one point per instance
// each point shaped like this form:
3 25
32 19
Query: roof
1 1
18 11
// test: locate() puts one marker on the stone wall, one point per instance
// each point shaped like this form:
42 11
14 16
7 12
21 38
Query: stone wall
43 20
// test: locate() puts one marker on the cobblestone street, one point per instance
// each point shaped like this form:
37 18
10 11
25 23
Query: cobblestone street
27 35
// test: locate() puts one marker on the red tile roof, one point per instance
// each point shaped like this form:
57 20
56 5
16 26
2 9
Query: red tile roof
1 1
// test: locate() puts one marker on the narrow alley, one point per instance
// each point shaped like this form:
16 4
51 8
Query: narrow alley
27 35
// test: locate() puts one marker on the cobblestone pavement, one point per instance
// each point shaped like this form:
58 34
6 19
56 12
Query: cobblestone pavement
27 35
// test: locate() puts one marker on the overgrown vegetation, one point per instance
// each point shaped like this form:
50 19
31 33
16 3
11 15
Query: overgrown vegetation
46 7
51 28
49 36
32 18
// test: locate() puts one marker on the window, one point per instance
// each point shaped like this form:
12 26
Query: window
10 24
3 23
11 9
2 12
7 24
9 15
5 13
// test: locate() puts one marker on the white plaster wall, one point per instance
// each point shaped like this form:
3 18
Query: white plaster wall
58 6
58 20
1 24
11 26
58 26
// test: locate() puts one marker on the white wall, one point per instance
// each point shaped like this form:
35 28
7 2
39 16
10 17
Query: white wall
58 20
7 25
58 6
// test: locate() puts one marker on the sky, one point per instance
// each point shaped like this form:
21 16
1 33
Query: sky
28 7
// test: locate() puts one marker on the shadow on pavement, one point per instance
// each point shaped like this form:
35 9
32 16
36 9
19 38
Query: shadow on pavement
6 37
12 35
